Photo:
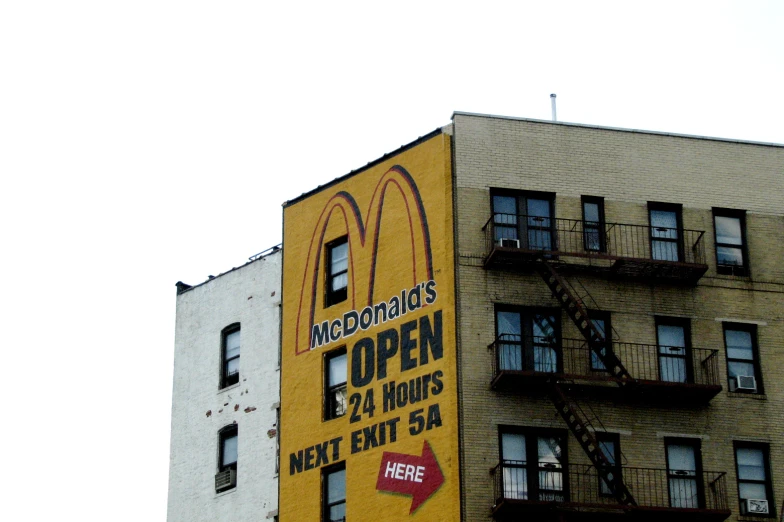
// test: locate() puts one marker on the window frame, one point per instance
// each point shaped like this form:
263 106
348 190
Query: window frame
601 315
755 362
527 344
600 225
330 391
687 356
696 445
521 226
224 434
617 466
333 297
677 209
768 483
736 270
229 379
325 504
532 465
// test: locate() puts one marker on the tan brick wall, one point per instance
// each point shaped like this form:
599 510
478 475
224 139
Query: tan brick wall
628 169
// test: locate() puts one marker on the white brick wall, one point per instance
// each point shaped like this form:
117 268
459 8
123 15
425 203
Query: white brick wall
249 295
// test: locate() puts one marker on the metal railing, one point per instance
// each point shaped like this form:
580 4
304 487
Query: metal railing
648 362
581 484
597 240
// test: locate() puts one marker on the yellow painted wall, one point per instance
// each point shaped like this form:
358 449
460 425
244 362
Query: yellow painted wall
389 211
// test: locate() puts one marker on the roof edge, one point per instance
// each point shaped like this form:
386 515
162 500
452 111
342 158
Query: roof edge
373 163
619 129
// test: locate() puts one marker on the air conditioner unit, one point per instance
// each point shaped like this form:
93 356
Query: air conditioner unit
225 480
508 242
743 382
750 506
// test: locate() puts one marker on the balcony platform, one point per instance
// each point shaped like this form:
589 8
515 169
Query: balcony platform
625 251
515 370
515 510
581 499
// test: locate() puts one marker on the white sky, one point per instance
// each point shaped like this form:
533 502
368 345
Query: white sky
147 142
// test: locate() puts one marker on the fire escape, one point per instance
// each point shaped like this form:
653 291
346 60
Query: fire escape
619 261
581 427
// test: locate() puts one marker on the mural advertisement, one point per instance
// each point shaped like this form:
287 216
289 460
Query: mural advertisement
368 363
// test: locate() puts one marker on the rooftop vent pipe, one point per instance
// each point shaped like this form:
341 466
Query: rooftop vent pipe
552 102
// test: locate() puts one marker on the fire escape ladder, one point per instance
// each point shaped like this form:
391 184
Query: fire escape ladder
577 312
583 431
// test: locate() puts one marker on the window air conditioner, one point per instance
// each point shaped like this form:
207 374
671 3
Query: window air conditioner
749 506
225 480
743 382
508 242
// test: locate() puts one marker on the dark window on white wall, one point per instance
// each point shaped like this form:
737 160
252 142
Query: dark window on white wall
228 439
755 491
333 494
743 368
230 355
730 229
335 380
337 271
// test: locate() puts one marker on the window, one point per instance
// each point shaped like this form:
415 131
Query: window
528 339
753 468
337 274
335 378
333 496
730 229
743 368
227 458
666 231
673 338
684 473
593 224
533 463
601 321
611 447
524 216
230 363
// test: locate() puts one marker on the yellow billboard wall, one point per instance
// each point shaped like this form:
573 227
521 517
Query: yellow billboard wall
383 237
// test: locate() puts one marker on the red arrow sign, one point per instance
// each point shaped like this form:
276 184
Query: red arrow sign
419 477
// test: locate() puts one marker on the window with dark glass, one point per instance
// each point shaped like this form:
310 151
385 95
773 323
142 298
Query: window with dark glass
335 379
333 495
593 224
230 355
684 473
611 447
666 231
524 217
730 228
673 338
601 321
533 463
743 369
755 491
227 458
337 271
528 339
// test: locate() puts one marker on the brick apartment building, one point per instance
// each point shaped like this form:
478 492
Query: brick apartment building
634 281
513 319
